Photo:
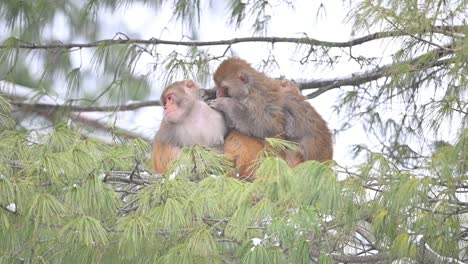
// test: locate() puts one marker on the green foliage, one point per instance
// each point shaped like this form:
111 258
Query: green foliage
84 231
203 245
198 163
251 253
402 247
61 201
198 214
135 235
238 11
6 121
51 192
45 209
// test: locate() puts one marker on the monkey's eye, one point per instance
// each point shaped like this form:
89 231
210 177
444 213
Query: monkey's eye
170 97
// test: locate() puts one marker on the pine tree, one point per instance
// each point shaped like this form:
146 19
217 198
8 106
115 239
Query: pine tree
77 189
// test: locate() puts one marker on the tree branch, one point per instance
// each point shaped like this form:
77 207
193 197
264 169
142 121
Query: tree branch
384 71
321 85
77 108
272 40
124 177
352 258
112 129
95 124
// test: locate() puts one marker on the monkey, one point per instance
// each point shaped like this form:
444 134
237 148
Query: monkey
187 121
258 107
305 126
249 100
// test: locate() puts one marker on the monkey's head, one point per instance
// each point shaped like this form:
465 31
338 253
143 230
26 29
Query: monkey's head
178 99
233 78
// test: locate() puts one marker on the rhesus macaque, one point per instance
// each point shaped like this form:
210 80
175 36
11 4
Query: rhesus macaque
187 121
257 107
304 125
250 100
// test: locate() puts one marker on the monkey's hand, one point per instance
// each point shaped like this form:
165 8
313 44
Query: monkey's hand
221 103
207 94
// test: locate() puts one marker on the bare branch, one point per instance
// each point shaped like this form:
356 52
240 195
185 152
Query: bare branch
385 71
303 40
95 124
352 258
124 178
321 85
111 129
76 108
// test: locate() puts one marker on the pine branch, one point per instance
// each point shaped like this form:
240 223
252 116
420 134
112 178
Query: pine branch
108 128
428 255
385 71
124 177
77 108
352 258
322 86
93 123
272 40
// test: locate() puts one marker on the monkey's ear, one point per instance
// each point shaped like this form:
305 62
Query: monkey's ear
189 84
243 77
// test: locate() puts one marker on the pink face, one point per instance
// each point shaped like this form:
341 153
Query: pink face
171 109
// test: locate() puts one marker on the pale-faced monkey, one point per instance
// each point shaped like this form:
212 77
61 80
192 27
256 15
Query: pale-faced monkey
187 121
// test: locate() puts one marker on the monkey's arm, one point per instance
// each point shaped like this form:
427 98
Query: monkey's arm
294 124
235 113
253 119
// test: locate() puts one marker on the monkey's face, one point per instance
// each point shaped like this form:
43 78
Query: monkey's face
232 87
173 106
178 99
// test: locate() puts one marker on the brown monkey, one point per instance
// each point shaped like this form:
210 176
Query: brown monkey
259 106
305 126
187 121
250 100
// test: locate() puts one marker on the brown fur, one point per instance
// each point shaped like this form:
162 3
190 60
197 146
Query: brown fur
187 121
304 125
163 155
243 151
253 107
